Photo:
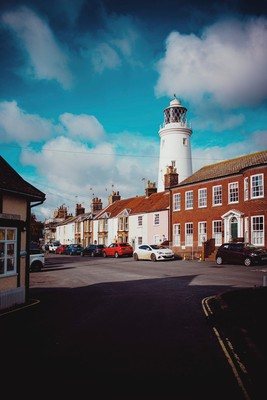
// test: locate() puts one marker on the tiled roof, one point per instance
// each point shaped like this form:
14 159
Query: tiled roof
11 181
138 205
226 168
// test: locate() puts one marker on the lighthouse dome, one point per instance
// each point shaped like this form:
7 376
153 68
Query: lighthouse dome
175 102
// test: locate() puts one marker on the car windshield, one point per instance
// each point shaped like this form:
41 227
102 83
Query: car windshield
155 246
249 246
124 244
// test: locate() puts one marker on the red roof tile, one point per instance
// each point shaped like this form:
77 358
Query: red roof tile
138 205
225 168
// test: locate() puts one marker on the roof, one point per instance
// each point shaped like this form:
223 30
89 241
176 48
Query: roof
12 182
226 168
138 205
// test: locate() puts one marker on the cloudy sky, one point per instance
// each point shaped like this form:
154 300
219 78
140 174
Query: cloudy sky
84 83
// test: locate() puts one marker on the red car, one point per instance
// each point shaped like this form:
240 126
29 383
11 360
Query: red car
61 249
118 250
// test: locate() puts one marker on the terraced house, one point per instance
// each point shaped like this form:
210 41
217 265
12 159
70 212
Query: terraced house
221 202
137 220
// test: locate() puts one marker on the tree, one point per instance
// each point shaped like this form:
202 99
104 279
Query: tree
36 229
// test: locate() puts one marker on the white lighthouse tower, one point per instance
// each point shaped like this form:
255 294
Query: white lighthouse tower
175 145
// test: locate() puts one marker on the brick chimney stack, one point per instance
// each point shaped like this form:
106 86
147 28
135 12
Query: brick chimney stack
171 178
150 188
96 205
79 210
113 197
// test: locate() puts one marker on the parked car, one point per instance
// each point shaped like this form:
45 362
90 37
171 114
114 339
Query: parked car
241 253
118 250
37 261
93 250
37 258
61 249
153 252
74 249
53 246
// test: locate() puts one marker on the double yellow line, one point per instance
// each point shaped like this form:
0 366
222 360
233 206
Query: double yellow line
228 349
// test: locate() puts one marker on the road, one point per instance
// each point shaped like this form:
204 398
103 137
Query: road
118 328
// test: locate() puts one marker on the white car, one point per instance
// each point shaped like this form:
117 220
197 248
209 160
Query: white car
152 252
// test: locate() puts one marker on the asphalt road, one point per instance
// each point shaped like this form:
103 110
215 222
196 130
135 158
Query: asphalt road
102 328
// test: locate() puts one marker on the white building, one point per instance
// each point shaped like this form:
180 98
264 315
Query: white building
175 145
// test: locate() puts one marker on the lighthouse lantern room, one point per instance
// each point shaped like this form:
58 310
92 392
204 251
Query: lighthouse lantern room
175 145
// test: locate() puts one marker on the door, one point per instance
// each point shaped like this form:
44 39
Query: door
234 234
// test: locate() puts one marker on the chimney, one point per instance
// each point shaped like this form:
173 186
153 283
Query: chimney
151 188
79 210
113 197
96 205
171 178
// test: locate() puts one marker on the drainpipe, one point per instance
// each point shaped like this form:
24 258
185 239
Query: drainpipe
28 239
170 217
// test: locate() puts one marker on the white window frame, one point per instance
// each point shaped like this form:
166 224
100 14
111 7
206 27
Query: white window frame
246 229
202 197
156 219
217 195
177 234
189 231
257 230
140 220
8 257
177 202
189 200
202 232
256 187
233 193
246 196
217 231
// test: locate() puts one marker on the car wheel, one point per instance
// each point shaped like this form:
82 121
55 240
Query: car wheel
219 260
92 254
153 257
36 266
247 262
116 255
104 254
135 257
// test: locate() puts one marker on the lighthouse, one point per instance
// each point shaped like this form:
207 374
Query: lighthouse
175 145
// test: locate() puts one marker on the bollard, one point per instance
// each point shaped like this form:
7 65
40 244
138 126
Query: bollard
264 280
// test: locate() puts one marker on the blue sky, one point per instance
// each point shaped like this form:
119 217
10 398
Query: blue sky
83 86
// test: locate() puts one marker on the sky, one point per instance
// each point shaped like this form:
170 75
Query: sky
84 84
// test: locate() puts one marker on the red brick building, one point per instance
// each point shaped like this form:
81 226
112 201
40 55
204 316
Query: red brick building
221 202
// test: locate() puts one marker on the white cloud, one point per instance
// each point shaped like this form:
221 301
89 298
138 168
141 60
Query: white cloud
16 125
105 57
71 172
83 126
47 60
227 64
118 42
